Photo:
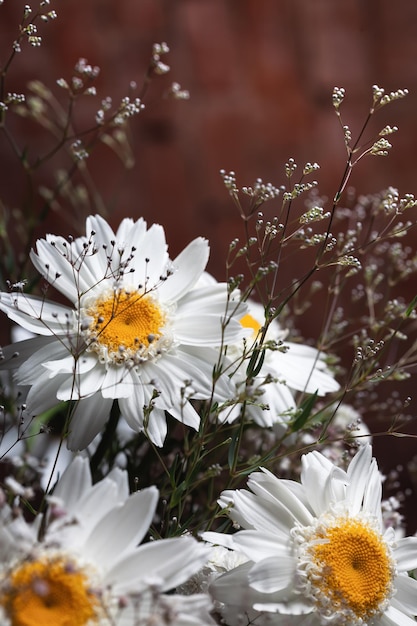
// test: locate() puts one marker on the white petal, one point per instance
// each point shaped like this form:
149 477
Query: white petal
373 493
218 539
97 227
406 594
29 355
42 395
276 492
324 482
303 369
67 364
131 407
8 547
82 385
405 553
156 429
37 314
188 267
167 562
117 383
130 234
251 511
88 418
204 360
126 525
74 482
206 330
186 414
120 477
394 617
53 260
172 371
93 506
271 575
292 610
150 259
358 472
233 588
259 546
208 299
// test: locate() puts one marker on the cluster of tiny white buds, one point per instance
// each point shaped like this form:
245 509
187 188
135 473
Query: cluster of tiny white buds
106 105
78 151
127 109
369 350
77 83
338 97
310 167
349 260
26 11
158 49
31 33
272 228
347 134
15 98
35 41
380 147
315 214
85 69
261 190
51 15
290 167
392 203
380 98
3 106
61 82
388 130
298 189
177 93
229 180
16 46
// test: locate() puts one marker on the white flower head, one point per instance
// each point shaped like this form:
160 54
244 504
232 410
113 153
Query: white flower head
138 330
318 549
88 569
287 368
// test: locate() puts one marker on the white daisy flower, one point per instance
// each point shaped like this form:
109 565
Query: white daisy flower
87 568
288 368
319 548
139 330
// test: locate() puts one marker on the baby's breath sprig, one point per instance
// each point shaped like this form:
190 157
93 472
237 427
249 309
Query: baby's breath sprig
56 113
355 149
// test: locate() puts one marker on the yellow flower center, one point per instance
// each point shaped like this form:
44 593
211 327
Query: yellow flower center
352 570
248 321
125 325
49 592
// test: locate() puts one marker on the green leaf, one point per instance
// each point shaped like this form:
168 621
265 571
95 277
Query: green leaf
232 448
306 409
411 307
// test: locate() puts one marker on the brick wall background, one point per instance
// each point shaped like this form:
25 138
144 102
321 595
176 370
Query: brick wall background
260 74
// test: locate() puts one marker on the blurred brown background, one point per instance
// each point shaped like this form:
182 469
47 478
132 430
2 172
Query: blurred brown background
260 74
